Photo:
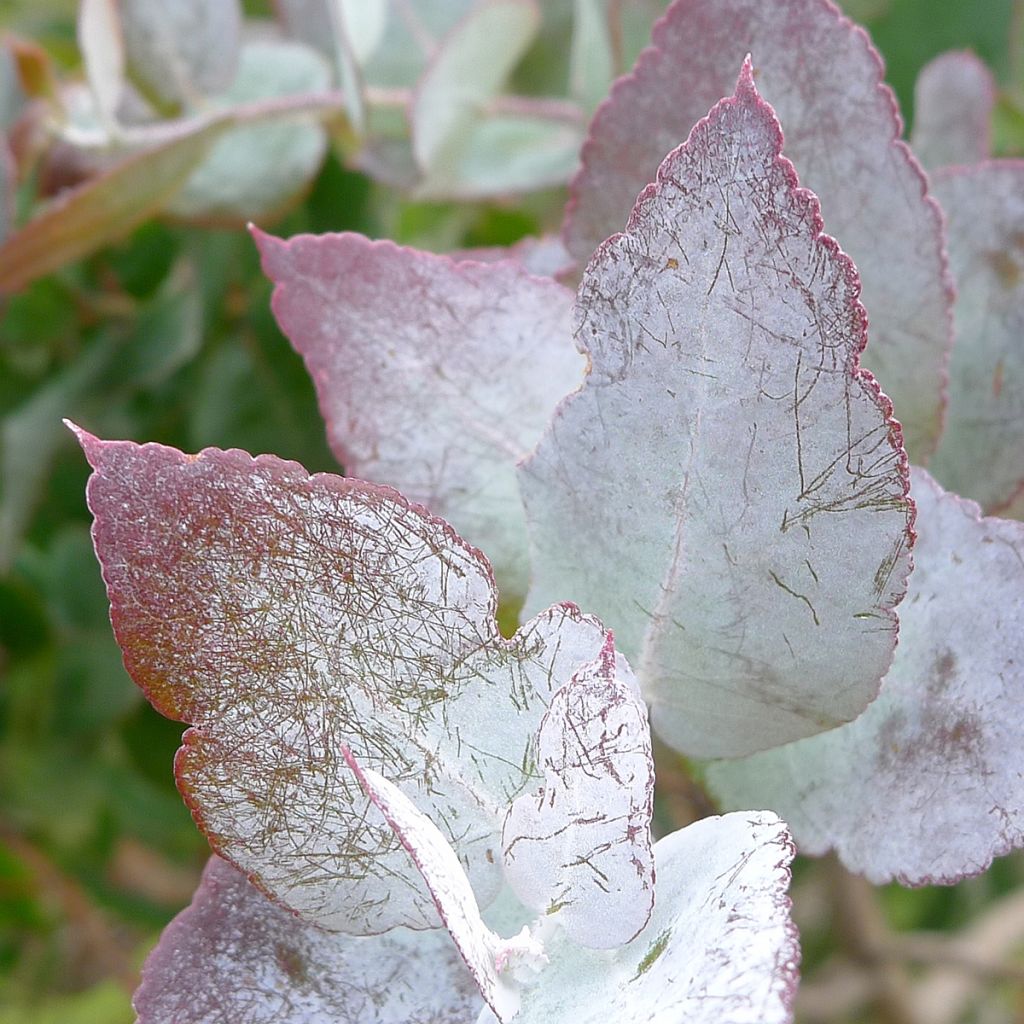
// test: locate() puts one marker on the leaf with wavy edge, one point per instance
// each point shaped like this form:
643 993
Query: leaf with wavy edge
823 77
954 97
578 847
981 453
433 375
927 786
720 945
284 615
728 487
234 956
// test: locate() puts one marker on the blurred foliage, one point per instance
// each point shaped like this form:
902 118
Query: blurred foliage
168 336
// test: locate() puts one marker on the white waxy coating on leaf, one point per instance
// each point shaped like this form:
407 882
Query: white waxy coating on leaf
578 848
953 100
981 453
728 487
184 49
433 375
283 616
824 79
927 786
483 950
234 956
720 945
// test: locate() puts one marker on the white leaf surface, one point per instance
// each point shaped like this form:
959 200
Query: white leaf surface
433 375
981 453
728 487
578 847
102 46
235 956
927 786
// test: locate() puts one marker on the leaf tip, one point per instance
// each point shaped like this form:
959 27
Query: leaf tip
89 442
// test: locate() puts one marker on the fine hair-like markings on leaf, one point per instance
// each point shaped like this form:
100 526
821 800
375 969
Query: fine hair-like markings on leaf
729 450
926 786
825 80
284 616
578 848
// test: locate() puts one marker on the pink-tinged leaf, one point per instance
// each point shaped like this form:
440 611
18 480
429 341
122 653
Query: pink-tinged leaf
488 956
720 945
953 101
728 487
234 956
433 375
578 847
981 453
545 256
8 188
927 786
284 616
823 77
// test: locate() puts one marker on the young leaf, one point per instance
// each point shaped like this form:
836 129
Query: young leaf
486 954
183 50
234 956
953 101
284 616
433 375
927 785
824 79
720 945
728 487
102 46
981 454
578 848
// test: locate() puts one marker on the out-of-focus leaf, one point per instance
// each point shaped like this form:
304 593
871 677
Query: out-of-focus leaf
954 99
106 1003
105 208
285 616
365 22
577 849
255 171
824 78
720 945
981 453
728 487
204 965
181 50
591 61
432 375
926 786
8 186
102 46
466 72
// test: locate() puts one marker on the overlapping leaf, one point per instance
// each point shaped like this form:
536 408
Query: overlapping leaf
928 784
233 956
728 487
285 616
823 77
578 848
981 454
953 101
433 375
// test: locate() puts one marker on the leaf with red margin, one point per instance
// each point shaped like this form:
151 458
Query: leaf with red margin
728 487
981 453
433 375
578 847
284 616
954 97
234 956
824 79
927 786
720 945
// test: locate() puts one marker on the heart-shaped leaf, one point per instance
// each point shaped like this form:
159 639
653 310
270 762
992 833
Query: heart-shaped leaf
953 101
433 375
728 488
234 956
578 848
824 78
286 616
927 786
981 454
